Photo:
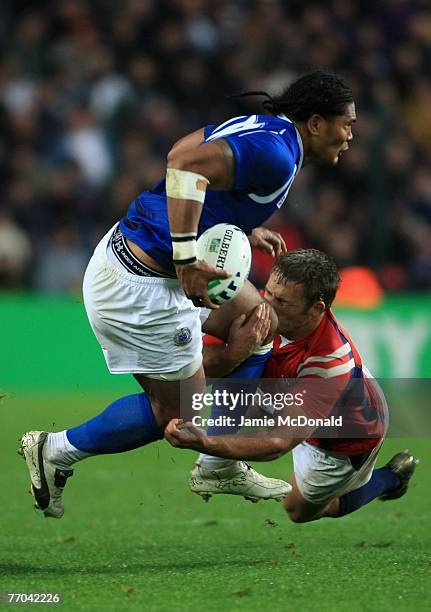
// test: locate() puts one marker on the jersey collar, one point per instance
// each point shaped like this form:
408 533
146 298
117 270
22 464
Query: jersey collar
298 138
284 341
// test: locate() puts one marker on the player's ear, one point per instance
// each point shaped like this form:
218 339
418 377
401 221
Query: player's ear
314 124
319 307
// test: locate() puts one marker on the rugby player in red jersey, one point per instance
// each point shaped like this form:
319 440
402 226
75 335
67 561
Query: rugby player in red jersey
333 476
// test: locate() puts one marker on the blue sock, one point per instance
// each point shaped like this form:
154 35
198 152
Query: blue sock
126 424
235 382
381 481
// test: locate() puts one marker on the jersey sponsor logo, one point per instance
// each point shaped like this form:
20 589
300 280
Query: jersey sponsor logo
183 336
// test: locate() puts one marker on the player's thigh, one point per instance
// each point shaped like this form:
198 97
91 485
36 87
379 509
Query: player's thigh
172 398
319 475
219 321
144 325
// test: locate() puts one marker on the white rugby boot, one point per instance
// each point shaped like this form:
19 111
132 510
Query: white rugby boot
238 478
47 480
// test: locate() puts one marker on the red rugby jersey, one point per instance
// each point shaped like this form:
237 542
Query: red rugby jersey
329 354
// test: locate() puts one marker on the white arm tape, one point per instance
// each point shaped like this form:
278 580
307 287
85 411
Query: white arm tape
185 185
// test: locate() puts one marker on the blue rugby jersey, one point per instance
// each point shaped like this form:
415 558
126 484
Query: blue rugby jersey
268 155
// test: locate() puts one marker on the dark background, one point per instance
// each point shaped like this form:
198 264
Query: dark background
94 93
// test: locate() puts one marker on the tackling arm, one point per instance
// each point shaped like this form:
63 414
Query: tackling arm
245 336
263 447
260 447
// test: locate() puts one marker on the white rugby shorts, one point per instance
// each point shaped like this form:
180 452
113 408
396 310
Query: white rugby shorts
322 476
144 325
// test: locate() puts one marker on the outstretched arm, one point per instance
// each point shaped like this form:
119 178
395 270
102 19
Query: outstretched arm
265 446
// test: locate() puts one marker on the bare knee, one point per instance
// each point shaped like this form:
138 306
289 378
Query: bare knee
168 399
310 512
294 513
296 517
301 510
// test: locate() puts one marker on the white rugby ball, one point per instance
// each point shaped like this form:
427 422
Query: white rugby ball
226 247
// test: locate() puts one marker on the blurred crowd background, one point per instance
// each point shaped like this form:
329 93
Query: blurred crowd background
93 93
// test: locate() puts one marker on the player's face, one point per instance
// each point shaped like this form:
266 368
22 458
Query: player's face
332 136
296 319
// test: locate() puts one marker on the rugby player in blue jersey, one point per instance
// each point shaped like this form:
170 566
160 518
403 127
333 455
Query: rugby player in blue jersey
144 288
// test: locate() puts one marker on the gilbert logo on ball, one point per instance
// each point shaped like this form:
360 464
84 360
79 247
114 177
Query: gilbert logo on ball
226 247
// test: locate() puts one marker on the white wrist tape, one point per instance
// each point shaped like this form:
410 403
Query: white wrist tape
185 185
184 248
184 252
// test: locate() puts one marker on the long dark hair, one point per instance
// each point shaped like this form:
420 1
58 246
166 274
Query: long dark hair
321 92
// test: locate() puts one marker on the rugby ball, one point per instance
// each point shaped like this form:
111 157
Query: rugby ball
225 247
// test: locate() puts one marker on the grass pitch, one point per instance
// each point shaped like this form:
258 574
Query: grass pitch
134 538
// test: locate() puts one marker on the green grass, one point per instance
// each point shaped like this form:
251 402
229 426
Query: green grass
134 538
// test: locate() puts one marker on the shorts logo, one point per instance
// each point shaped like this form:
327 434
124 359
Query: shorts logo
183 336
